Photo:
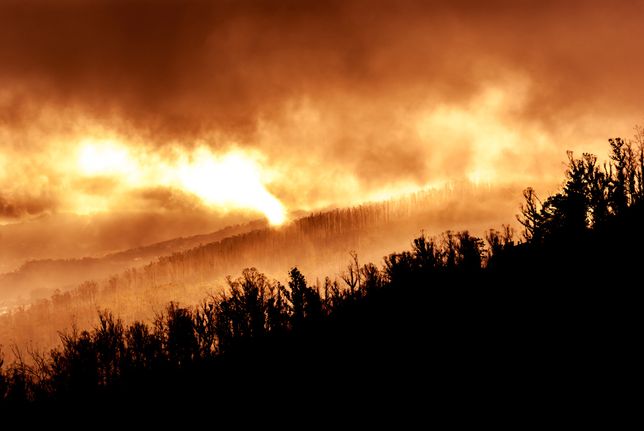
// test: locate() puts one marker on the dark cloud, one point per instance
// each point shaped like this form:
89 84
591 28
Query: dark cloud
180 66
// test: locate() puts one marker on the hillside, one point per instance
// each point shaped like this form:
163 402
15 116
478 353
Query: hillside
448 323
39 279
320 244
73 236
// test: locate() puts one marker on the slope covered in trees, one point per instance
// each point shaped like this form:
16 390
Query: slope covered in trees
319 244
515 327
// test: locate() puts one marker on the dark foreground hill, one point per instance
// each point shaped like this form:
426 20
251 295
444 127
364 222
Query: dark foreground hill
528 332
411 344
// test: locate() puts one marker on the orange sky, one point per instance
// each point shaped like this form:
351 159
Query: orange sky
187 106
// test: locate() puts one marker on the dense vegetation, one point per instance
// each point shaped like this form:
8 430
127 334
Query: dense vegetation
516 325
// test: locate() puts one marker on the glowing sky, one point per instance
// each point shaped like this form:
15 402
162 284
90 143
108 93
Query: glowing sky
232 180
269 107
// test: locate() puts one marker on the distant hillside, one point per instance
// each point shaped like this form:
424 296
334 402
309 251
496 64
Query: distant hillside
73 236
39 278
336 231
319 244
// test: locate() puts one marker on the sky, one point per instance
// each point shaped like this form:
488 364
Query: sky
266 107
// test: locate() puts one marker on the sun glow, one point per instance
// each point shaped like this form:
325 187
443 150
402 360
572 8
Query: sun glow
104 157
234 180
229 180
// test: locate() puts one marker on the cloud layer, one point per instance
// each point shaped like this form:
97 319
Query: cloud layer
343 100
